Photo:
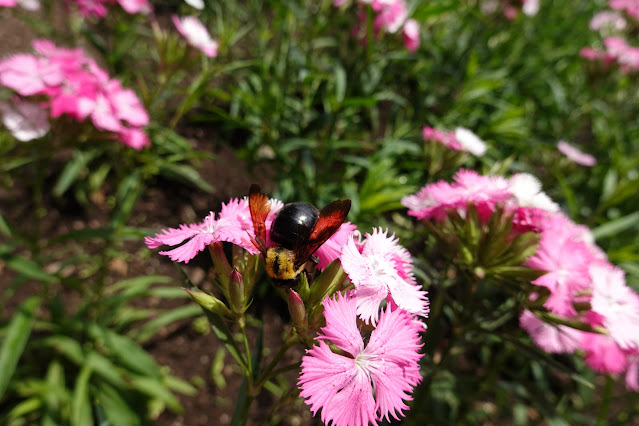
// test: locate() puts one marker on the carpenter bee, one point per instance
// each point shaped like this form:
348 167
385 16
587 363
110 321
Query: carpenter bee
298 229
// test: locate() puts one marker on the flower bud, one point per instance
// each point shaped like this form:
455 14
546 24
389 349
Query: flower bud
328 282
221 263
297 310
209 302
236 291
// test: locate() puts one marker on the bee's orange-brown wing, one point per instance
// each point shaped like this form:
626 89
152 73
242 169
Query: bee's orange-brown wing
331 218
260 206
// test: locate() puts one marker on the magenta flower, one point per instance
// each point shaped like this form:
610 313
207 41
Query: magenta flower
575 154
435 200
603 354
363 383
198 236
196 34
381 269
74 85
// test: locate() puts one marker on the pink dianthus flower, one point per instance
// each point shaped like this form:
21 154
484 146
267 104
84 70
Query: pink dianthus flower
381 269
366 382
74 85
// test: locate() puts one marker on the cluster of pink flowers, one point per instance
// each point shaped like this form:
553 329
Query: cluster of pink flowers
630 7
25 4
582 286
66 81
461 139
510 8
616 49
390 16
370 381
98 8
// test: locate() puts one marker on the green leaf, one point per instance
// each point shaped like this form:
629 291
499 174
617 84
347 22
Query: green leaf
156 389
127 353
186 174
170 316
111 404
182 386
28 268
616 226
15 340
81 402
72 169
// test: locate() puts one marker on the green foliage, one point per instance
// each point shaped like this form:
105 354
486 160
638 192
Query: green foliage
318 115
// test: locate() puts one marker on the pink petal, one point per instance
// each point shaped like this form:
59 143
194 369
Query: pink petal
341 325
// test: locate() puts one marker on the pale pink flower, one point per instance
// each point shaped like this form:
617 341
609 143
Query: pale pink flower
632 371
25 4
135 6
526 189
22 73
470 142
461 139
381 269
198 236
445 138
198 4
608 20
372 381
411 35
575 154
196 34
25 120
631 7
566 260
530 7
552 338
626 56
134 137
616 304
391 15
98 8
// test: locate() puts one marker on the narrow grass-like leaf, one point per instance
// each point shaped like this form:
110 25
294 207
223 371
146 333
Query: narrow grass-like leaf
156 389
28 268
72 169
111 404
128 353
15 340
168 317
616 226
81 402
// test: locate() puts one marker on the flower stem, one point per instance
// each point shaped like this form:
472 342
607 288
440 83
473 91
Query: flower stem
605 403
